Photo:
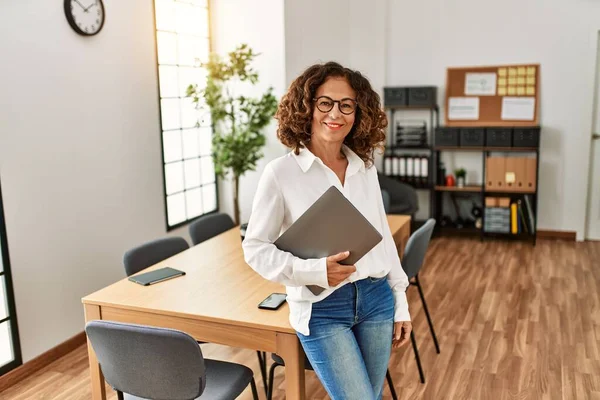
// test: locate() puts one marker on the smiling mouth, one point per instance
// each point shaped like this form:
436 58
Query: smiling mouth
333 125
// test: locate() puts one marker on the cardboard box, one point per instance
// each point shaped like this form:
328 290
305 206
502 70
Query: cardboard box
491 202
530 174
494 173
510 174
521 173
504 202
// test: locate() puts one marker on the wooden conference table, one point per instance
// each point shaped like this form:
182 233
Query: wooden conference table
215 302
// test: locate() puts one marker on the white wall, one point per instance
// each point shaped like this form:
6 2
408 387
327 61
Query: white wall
349 32
422 39
260 25
80 157
558 35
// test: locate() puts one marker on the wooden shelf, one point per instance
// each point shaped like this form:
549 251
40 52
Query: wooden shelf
459 189
492 191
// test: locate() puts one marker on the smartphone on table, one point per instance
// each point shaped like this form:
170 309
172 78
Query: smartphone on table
273 302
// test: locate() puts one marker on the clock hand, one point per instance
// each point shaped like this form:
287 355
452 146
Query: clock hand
77 1
92 5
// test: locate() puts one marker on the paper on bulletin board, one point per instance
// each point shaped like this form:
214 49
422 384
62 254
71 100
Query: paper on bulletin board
463 108
518 108
480 84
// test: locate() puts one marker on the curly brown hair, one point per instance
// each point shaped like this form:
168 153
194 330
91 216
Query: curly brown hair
296 108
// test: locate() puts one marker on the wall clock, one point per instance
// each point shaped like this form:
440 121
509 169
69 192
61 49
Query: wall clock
86 17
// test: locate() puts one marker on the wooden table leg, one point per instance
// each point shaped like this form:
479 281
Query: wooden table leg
92 312
290 349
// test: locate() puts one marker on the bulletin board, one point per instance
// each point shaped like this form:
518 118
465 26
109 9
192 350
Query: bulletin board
503 95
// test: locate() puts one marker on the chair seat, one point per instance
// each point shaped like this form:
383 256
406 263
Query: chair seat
278 360
224 381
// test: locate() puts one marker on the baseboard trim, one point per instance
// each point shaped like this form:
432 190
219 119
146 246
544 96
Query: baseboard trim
30 367
563 235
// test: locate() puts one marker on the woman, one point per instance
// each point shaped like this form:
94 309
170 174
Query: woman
332 120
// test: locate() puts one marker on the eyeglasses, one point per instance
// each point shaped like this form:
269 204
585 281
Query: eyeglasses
325 104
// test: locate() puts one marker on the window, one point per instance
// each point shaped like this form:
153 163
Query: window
10 350
182 42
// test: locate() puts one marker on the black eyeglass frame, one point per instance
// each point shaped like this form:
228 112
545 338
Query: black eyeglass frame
339 104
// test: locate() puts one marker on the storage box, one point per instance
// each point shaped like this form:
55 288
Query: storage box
395 96
446 137
530 174
521 173
498 137
510 174
491 201
472 137
496 220
424 96
526 137
494 173
504 202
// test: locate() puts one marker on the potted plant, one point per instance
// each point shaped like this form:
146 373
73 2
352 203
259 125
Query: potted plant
461 175
237 120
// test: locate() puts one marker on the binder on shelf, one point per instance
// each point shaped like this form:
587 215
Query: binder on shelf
494 172
530 174
510 174
395 169
410 169
530 213
387 166
522 219
514 228
520 174
424 170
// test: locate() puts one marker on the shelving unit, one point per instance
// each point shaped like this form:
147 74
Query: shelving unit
483 192
393 150
468 188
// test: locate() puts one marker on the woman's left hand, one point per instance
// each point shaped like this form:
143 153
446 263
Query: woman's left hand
402 331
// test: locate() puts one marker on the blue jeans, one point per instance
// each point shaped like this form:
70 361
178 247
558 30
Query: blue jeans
350 339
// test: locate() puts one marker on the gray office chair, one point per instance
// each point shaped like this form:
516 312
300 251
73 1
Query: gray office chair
386 200
162 364
412 261
403 197
150 253
209 226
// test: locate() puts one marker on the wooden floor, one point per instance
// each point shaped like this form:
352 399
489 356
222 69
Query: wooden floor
514 322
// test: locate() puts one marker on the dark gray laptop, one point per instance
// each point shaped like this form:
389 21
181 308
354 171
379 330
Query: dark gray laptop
330 226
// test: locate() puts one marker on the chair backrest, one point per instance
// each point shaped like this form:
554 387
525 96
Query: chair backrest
152 252
416 247
209 226
148 362
386 200
403 197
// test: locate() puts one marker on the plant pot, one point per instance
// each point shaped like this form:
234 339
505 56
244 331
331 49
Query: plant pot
460 181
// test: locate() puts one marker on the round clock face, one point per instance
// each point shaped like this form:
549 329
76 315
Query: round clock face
86 17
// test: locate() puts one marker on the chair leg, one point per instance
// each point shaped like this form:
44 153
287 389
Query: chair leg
254 391
391 385
271 379
120 395
416 350
435 341
262 362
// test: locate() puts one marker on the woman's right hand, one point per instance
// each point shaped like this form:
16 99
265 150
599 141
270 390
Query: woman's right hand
337 273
